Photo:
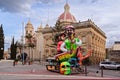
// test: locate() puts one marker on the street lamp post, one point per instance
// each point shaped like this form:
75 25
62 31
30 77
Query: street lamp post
23 42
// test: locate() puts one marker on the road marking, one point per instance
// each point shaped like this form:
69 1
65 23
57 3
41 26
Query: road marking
41 75
53 76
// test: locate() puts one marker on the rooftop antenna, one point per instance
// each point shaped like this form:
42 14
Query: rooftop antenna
92 17
48 15
29 19
66 1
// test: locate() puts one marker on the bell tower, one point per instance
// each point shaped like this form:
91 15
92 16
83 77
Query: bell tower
29 28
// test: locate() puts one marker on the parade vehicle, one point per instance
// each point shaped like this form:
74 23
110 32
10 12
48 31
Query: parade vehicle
69 55
55 64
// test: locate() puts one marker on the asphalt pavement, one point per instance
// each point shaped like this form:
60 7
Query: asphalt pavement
37 71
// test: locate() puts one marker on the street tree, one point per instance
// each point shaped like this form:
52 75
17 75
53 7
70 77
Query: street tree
13 49
1 42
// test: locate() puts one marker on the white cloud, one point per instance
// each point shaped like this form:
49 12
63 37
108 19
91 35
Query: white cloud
14 6
104 13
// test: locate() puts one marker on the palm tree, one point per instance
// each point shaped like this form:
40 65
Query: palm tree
30 43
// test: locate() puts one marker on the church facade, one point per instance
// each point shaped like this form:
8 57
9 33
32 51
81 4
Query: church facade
90 34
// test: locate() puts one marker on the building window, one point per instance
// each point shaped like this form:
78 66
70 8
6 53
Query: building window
83 39
26 32
47 52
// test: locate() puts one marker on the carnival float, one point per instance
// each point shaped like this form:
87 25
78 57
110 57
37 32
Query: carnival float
69 54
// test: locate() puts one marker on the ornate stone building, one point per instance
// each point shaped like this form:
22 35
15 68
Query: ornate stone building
114 52
116 45
30 40
90 34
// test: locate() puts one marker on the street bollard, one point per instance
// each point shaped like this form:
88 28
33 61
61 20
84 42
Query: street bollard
85 70
13 63
97 72
101 71
40 62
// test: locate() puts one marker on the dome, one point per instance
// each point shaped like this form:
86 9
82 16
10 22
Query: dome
66 16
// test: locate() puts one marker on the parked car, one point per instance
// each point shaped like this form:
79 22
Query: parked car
109 65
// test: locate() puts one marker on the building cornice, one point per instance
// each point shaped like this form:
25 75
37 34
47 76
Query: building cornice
79 25
89 24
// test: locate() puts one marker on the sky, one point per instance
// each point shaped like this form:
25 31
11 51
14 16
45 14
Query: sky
104 13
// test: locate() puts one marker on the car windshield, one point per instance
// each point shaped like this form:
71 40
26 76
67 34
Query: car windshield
105 62
114 63
109 62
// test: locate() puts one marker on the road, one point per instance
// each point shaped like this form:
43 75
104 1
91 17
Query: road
38 71
95 69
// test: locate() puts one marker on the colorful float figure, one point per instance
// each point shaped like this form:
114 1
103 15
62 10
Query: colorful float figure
61 39
71 44
65 68
70 53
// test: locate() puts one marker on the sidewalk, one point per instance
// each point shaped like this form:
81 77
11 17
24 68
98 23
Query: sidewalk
6 66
